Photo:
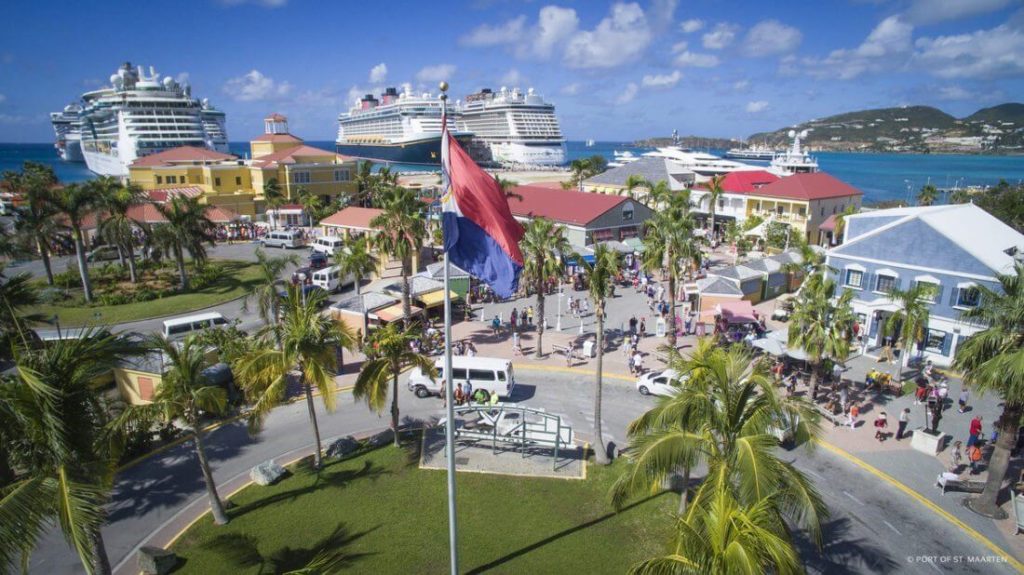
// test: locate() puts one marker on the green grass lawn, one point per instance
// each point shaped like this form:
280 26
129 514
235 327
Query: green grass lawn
389 516
238 278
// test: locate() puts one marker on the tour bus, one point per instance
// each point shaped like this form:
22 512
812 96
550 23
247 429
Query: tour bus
491 374
179 327
329 245
330 279
283 239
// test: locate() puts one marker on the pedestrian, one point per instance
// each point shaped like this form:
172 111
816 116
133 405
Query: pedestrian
974 431
973 457
586 307
844 394
791 385
460 395
643 327
921 392
904 420
495 325
965 396
512 319
529 314
468 390
837 371
958 457
881 424
638 363
632 325
523 319
852 416
516 350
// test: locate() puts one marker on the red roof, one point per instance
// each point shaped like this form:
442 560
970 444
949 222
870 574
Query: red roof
563 206
221 215
816 186
182 154
352 217
289 156
145 213
829 225
743 182
163 195
276 138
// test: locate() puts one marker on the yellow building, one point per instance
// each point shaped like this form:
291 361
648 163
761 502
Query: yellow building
803 201
238 184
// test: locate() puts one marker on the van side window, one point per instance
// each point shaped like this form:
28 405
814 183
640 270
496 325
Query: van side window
220 321
458 373
180 328
481 375
501 376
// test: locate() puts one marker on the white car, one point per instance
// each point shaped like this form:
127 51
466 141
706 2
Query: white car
664 383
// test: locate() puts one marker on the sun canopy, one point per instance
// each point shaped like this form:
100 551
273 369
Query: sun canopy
733 311
394 313
781 337
435 298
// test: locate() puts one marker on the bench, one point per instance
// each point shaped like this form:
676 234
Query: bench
567 350
951 482
514 425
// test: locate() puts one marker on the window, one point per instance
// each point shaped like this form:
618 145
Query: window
780 210
238 180
341 175
935 341
300 177
172 179
823 212
802 211
159 179
930 291
627 214
216 181
481 375
854 278
968 297
721 204
885 284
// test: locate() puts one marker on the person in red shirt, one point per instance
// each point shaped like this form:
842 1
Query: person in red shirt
975 431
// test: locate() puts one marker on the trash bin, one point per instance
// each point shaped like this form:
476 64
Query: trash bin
588 348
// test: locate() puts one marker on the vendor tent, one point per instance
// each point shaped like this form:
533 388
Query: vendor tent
734 312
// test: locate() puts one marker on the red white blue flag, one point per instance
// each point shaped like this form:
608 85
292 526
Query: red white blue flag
480 234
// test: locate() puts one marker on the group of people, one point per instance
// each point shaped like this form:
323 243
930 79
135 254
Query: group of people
465 394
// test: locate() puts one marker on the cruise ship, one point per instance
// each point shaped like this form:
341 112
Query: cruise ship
795 160
67 126
140 114
512 127
401 128
758 153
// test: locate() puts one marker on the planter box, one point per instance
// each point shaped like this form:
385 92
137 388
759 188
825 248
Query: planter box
925 442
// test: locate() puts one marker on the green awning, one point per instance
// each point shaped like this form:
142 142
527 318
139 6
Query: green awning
636 243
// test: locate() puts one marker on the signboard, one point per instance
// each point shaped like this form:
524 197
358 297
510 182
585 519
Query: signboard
659 327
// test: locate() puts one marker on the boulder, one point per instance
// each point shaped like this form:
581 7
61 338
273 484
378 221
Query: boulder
267 473
156 561
342 447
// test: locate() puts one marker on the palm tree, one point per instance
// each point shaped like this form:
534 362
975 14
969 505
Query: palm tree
75 202
544 248
507 186
118 228
714 191
669 238
579 168
187 229
311 203
356 259
403 232
821 325
265 292
273 198
184 394
309 344
960 196
364 183
991 361
635 181
16 292
394 355
928 195
52 428
601 278
840 228
909 323
36 222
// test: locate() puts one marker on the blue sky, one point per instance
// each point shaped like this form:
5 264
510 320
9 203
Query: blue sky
615 70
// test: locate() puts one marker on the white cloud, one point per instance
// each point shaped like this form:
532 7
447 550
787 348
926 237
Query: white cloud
954 93
662 80
379 73
980 54
696 60
255 87
620 38
628 94
757 107
661 13
3 98
571 89
692 25
435 73
741 85
932 11
887 46
264 3
771 37
554 26
721 36
680 46
512 78
510 32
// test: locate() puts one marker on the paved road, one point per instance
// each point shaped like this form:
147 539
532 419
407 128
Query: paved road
873 528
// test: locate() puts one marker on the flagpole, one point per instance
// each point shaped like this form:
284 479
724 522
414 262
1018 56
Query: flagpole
449 428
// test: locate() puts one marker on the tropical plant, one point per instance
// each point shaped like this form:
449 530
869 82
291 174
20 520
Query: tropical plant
184 394
75 202
16 292
312 204
273 198
118 227
36 221
393 354
928 195
402 234
357 259
266 292
364 179
714 192
583 168
821 325
635 182
545 250
52 428
669 239
601 284
840 227
960 196
507 187
309 345
187 229
991 361
909 323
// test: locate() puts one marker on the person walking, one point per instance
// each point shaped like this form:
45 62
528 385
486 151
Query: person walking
529 314
958 457
974 431
965 396
643 327
512 319
881 424
638 363
853 414
974 457
904 420
632 325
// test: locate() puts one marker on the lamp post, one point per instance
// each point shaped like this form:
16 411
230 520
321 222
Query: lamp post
561 294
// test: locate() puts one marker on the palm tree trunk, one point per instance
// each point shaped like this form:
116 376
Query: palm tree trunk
815 368
987 503
406 298
539 353
179 257
83 268
672 304
312 420
45 255
685 492
394 402
132 273
359 280
600 449
216 506
100 559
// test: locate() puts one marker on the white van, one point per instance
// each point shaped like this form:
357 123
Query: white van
283 239
491 374
329 245
181 326
330 279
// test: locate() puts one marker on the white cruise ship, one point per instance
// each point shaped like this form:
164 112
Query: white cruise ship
67 126
141 114
794 160
514 128
403 128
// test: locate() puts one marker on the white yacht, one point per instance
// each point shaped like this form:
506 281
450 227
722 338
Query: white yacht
67 127
794 160
620 159
403 128
701 163
140 114
514 128
760 152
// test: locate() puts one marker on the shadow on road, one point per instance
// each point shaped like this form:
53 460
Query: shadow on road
841 553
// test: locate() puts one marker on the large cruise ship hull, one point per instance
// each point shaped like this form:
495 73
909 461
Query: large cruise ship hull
70 151
422 151
516 153
104 164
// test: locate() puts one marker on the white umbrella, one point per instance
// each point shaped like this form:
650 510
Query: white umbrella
770 346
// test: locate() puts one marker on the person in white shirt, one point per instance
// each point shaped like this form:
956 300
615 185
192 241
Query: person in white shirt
638 363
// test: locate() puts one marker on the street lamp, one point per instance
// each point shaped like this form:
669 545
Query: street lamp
561 294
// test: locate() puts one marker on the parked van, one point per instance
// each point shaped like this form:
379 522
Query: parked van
181 326
491 374
329 245
330 279
283 239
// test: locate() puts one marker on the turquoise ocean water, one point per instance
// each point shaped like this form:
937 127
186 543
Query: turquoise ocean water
880 176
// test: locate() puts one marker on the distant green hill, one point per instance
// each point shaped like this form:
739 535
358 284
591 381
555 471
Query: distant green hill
998 129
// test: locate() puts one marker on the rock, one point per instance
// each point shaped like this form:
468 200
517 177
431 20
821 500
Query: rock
267 473
156 561
342 447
